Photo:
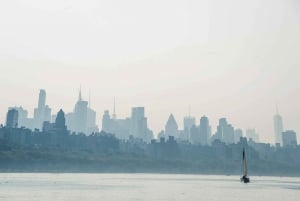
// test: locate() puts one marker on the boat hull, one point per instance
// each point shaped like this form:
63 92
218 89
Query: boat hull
245 179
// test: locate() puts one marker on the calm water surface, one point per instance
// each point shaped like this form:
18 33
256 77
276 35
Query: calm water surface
144 187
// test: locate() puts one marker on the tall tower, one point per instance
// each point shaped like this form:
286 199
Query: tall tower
80 115
91 119
171 128
42 99
42 112
138 124
204 130
278 127
12 118
60 121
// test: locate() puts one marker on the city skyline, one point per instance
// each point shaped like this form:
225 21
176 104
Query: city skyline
225 61
95 124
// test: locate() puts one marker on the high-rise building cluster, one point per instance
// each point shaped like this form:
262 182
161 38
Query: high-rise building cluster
83 117
83 120
135 125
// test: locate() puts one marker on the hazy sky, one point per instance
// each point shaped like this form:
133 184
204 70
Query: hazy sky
233 58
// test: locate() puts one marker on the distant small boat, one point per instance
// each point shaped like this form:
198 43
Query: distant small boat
244 177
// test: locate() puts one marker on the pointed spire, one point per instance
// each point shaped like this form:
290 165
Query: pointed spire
189 110
171 121
80 97
277 109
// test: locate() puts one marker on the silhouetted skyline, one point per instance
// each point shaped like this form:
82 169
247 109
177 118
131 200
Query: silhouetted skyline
223 58
83 120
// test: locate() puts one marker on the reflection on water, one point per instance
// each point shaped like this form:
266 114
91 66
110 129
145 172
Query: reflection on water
144 187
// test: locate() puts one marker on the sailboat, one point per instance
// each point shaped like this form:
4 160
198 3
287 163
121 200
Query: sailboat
244 178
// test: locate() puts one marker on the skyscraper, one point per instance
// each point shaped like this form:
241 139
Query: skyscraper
106 122
225 132
42 112
188 122
23 120
42 99
121 128
204 130
278 128
289 138
60 121
80 115
138 124
12 118
91 119
171 128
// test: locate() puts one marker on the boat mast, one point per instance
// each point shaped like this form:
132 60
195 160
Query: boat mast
244 164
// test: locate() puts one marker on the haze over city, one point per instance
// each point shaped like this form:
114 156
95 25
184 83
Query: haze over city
222 61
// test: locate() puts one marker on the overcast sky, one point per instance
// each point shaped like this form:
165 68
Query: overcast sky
234 59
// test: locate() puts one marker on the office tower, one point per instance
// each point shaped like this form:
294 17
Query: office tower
225 132
251 134
188 122
238 133
137 121
278 128
138 124
289 138
106 122
23 120
42 99
204 130
83 117
12 118
57 128
119 127
42 112
91 120
80 115
171 128
60 121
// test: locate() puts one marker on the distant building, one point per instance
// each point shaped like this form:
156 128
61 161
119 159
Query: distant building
138 124
106 122
204 130
119 127
238 133
171 128
12 118
188 122
278 128
225 132
80 115
289 138
60 121
23 120
251 134
59 126
42 112
91 121
83 117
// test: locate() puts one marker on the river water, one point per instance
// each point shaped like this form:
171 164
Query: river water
144 187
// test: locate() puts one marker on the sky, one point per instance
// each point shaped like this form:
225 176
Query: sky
234 59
